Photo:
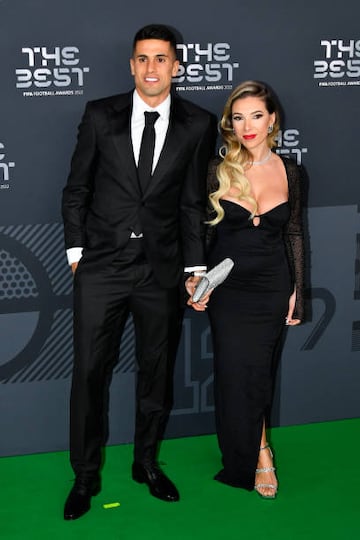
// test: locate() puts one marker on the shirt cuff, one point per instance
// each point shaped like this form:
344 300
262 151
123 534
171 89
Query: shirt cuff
196 270
74 254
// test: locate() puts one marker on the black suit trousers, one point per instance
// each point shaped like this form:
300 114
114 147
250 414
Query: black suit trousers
104 295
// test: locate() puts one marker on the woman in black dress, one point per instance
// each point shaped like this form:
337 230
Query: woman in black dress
257 222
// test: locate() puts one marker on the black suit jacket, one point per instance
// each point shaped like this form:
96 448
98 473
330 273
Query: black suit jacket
102 202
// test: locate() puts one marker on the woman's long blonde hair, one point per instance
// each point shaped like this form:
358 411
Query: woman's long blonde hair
230 172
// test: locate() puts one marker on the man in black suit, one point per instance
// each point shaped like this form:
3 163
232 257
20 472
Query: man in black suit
131 232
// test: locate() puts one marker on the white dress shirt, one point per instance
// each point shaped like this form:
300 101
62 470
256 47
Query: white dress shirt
138 124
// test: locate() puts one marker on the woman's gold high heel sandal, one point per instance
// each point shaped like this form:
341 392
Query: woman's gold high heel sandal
273 487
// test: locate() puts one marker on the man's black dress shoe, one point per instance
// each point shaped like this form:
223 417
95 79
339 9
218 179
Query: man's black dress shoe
159 484
78 501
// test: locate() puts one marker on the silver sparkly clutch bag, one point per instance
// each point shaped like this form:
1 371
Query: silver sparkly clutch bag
213 278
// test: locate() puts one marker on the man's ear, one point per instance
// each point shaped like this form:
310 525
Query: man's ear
132 66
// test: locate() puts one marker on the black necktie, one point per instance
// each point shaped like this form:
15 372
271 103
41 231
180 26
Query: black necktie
147 149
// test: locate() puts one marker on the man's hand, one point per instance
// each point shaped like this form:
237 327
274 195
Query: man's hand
191 283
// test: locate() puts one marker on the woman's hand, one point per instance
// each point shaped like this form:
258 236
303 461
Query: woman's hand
190 285
289 321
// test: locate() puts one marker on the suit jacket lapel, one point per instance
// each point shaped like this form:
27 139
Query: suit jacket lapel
179 123
120 130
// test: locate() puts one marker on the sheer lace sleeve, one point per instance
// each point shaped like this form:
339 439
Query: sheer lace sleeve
294 234
212 185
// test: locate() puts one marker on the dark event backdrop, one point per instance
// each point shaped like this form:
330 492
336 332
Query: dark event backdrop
55 56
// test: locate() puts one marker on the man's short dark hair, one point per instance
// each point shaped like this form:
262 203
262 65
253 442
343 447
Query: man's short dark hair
156 31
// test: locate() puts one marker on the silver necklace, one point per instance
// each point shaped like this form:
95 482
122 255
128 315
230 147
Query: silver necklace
262 161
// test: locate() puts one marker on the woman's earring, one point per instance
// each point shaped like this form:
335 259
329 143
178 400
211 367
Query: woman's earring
270 129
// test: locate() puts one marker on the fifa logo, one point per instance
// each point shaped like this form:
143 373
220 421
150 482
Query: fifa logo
4 169
340 61
210 63
59 67
289 144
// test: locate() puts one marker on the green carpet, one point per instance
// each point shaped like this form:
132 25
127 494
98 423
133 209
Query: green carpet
319 483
